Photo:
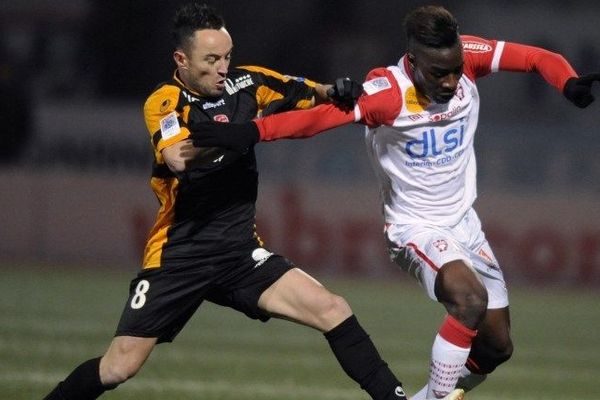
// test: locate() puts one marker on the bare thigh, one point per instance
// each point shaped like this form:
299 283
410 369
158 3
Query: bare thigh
299 297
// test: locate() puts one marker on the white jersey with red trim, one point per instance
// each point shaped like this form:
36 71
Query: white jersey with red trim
423 153
424 157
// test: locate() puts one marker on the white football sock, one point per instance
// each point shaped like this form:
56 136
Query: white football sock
421 394
449 354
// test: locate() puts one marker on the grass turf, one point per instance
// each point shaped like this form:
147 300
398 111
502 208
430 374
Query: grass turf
53 319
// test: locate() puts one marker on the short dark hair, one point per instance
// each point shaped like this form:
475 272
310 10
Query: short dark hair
431 26
191 17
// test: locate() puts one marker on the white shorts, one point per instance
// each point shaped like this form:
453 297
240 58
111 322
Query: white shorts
422 249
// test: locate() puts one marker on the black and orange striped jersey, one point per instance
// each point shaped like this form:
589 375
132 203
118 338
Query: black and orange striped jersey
210 210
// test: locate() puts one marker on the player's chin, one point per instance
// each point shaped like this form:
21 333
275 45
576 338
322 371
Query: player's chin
443 98
217 91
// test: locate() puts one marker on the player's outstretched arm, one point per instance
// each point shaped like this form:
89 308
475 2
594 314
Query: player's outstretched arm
579 89
288 125
554 68
379 107
291 125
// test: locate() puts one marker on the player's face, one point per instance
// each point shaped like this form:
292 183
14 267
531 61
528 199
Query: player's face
437 71
203 67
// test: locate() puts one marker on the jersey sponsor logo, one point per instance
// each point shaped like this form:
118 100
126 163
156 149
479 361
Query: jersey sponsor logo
260 255
233 86
169 126
476 47
415 103
446 115
215 104
433 143
415 117
189 97
221 118
376 85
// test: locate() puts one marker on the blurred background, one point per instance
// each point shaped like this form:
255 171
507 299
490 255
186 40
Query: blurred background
75 156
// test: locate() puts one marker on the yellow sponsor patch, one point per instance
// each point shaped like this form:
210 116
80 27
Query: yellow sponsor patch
414 102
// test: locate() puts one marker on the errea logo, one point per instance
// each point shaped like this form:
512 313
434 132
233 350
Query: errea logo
189 97
241 82
475 47
260 255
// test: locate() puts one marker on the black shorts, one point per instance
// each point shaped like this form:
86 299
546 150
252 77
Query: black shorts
162 300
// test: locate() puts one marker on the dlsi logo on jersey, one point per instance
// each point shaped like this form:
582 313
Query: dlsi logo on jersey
434 143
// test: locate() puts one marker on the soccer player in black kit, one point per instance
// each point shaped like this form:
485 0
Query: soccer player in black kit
204 245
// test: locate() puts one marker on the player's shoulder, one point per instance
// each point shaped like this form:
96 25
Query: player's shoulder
163 99
256 71
379 72
476 45
379 79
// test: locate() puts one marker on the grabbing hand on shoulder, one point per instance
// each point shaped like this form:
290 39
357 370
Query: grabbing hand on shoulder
579 89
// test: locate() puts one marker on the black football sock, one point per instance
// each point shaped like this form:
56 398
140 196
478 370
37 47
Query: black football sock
360 359
82 384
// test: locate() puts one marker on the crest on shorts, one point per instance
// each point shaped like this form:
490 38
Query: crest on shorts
441 245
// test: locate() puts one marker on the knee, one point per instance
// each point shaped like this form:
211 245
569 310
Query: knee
469 308
334 309
503 353
462 293
474 303
115 371
489 359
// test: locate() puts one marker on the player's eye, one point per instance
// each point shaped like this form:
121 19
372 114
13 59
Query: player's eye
211 60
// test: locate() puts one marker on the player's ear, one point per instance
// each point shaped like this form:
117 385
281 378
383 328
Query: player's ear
180 59
411 60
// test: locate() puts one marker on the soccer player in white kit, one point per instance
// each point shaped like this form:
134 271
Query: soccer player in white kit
421 116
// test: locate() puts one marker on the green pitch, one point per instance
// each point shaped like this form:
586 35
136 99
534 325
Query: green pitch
53 319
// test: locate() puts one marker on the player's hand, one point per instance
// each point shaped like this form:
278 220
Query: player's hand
579 90
345 92
220 134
